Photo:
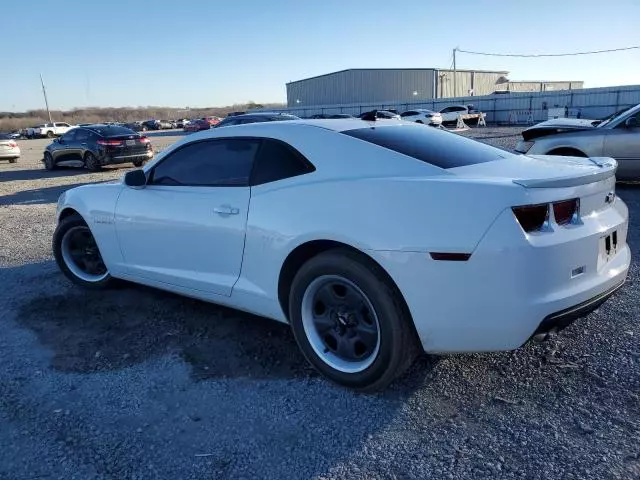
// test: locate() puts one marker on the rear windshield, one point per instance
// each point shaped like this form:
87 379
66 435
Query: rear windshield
113 130
442 149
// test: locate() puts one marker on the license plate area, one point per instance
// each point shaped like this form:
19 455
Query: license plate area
130 143
607 248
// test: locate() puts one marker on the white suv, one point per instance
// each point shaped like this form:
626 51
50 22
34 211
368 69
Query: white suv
52 129
421 115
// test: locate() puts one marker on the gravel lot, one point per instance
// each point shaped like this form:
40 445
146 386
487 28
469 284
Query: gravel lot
137 383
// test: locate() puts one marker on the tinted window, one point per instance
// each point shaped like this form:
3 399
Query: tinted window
409 114
276 161
113 130
442 149
69 136
225 162
227 122
82 135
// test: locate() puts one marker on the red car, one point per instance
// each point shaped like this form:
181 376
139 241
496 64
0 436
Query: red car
212 120
197 125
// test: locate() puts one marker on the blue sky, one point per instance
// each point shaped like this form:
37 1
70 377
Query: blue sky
212 53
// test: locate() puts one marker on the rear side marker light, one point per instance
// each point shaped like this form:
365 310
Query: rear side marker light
13 144
452 257
144 140
567 211
532 217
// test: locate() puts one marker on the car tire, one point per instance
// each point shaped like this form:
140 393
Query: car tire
13 160
69 232
144 129
138 163
49 164
50 134
91 162
340 305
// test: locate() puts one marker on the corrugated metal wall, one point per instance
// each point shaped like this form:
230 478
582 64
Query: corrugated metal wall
482 83
507 108
353 86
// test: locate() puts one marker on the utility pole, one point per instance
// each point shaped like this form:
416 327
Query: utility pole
46 102
455 90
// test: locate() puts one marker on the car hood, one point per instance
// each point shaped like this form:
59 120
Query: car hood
558 125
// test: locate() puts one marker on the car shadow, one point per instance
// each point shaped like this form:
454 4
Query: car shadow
40 196
37 174
92 331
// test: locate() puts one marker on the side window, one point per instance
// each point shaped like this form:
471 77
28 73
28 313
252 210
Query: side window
60 124
82 135
224 162
69 136
276 161
445 110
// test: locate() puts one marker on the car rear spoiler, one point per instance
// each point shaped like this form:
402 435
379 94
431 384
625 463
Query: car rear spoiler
606 169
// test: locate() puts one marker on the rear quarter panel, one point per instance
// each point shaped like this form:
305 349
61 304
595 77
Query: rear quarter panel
590 142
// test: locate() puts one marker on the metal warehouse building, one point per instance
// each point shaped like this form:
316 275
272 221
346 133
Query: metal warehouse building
363 85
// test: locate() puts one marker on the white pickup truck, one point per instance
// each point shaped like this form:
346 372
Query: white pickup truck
52 129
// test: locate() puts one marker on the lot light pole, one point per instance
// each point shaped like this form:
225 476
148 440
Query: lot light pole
46 102
454 72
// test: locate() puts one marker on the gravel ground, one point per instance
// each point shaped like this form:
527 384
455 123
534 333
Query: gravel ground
137 383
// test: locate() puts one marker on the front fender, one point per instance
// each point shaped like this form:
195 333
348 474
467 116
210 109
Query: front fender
96 205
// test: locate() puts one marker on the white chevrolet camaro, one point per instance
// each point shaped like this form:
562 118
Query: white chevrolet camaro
373 240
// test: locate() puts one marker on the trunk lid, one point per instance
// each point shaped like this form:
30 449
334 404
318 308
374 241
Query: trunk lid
542 171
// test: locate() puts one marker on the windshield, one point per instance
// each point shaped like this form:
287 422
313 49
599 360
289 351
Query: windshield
615 116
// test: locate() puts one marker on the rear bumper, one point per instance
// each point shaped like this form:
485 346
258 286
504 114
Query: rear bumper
511 287
558 321
10 154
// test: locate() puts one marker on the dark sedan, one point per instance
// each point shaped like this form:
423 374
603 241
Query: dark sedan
97 145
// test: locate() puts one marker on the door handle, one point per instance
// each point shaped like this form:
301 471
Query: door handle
226 210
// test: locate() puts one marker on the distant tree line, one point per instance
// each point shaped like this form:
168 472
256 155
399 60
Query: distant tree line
10 121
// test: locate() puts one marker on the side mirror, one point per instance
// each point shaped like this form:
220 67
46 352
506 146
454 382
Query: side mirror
631 122
135 178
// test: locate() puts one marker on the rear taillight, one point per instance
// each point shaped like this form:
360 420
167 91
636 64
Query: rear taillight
13 144
532 217
109 143
143 140
566 211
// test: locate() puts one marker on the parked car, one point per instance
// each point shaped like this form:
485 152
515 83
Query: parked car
97 145
51 130
255 117
424 116
180 123
135 126
233 114
9 149
618 137
450 114
166 125
443 244
213 121
380 114
150 125
331 115
197 125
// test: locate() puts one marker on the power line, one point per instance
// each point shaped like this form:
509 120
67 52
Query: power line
548 54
